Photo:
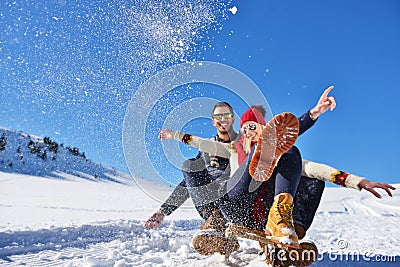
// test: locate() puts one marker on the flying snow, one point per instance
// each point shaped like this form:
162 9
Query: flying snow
85 59
233 10
160 34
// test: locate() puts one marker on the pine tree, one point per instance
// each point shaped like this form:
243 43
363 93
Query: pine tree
3 142
75 151
31 145
53 146
44 155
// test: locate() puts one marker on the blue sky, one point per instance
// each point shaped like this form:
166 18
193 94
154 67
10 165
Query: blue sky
69 69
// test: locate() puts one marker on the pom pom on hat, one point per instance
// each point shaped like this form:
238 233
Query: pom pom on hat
252 114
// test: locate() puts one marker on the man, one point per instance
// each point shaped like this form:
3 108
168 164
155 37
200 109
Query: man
197 171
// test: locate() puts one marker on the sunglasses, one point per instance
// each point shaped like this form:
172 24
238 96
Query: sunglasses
219 117
250 126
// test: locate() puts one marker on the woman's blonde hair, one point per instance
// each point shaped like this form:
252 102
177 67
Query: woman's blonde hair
246 145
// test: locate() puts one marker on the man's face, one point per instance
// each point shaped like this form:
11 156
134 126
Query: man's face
223 124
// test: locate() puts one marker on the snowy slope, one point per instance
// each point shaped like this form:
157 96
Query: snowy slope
78 222
32 155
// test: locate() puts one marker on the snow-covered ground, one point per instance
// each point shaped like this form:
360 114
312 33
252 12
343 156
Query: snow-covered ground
47 221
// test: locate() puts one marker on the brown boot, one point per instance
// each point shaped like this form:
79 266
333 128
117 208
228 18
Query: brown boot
211 237
278 136
300 231
280 222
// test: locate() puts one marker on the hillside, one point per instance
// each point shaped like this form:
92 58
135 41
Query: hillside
32 155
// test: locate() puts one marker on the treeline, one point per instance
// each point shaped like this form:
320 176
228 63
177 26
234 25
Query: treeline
38 149
53 146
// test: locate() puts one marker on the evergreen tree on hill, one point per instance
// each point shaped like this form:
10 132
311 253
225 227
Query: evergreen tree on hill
3 142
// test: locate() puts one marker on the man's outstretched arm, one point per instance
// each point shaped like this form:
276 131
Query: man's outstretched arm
173 202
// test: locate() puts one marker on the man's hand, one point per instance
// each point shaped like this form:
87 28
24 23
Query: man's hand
155 220
370 186
166 134
325 102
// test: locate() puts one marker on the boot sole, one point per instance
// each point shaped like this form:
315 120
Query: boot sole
304 256
208 244
278 137
308 253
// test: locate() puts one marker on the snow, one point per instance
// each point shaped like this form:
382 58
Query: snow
80 222
233 10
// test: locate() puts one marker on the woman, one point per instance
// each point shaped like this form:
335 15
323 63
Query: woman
270 155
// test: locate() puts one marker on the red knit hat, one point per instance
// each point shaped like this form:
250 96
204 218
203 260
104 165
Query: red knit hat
252 114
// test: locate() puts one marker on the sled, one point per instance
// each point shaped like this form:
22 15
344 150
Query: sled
275 253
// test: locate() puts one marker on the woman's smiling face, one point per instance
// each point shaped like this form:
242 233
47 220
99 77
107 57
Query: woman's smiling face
251 130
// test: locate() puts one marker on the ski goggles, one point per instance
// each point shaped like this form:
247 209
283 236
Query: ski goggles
250 126
219 117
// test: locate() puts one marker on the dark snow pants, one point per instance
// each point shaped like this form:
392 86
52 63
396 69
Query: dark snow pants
203 188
